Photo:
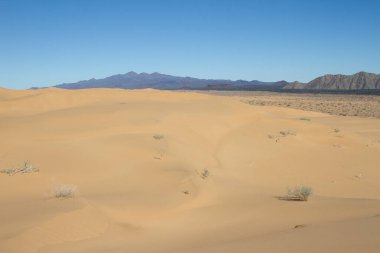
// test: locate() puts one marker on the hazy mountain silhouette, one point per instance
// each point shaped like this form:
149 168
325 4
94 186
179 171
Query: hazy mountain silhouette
133 80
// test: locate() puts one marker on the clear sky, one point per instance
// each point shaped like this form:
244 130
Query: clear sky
54 41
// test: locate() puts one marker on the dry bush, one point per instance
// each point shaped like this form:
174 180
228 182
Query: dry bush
64 191
158 136
205 173
301 193
285 133
25 168
8 171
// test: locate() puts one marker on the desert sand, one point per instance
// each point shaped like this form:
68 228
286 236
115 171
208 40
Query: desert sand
165 171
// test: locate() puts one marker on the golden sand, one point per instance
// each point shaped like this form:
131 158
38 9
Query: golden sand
160 171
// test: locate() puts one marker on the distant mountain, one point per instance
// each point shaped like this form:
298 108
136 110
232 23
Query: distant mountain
133 80
358 81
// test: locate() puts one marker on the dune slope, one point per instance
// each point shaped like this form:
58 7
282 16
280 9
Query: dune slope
161 171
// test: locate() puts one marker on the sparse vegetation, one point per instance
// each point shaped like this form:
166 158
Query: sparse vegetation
300 193
286 133
9 171
282 134
299 226
64 191
25 168
204 174
158 136
305 119
343 105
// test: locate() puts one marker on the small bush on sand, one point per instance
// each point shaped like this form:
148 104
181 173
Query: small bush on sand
8 171
158 136
305 119
286 133
25 168
301 193
205 173
64 191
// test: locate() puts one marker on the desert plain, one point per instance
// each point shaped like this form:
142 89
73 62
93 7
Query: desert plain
171 172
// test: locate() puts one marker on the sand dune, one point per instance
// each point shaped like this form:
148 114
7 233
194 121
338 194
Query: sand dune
139 160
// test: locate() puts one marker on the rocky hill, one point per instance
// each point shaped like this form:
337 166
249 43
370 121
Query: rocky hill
358 81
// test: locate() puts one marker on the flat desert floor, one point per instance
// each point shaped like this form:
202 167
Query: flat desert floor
334 104
168 172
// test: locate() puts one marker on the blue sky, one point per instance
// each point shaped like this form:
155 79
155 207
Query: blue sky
50 42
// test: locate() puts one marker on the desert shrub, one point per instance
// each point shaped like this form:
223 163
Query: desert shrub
286 133
8 171
205 173
305 119
64 191
300 193
158 136
27 167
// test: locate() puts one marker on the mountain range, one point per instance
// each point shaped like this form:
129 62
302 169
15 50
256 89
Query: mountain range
133 80
358 81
